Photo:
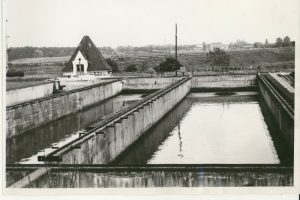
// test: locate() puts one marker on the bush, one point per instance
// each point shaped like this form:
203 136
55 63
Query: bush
157 69
170 64
218 58
131 68
113 65
14 74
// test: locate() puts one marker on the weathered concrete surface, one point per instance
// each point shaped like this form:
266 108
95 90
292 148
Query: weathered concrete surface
72 85
26 116
157 176
168 179
282 86
26 177
146 83
199 83
21 95
117 137
279 108
42 138
222 82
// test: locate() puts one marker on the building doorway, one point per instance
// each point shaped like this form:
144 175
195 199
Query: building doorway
80 68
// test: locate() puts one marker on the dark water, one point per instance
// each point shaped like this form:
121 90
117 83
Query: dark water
26 147
206 128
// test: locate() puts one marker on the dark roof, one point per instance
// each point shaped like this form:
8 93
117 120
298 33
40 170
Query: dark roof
91 53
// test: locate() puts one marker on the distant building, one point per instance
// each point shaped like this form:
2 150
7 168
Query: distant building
198 47
250 46
218 45
87 60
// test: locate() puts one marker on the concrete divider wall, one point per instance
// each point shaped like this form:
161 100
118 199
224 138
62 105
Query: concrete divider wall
23 117
148 83
223 82
114 139
28 93
72 85
201 83
282 86
285 121
162 178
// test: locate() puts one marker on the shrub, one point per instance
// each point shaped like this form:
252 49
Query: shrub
131 68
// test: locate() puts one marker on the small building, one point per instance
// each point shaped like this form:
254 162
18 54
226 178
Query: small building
217 45
198 47
87 61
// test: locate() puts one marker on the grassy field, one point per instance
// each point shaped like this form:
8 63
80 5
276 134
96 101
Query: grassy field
12 84
42 60
241 62
244 59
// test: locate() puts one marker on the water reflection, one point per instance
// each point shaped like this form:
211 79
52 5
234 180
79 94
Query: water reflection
26 147
208 128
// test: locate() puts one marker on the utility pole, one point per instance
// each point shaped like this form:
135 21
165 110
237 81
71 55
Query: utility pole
176 45
176 41
6 41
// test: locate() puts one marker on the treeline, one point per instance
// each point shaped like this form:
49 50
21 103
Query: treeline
285 42
154 48
36 52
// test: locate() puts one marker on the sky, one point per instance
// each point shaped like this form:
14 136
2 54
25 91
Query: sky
63 23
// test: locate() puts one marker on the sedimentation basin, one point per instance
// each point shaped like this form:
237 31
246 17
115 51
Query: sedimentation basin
111 143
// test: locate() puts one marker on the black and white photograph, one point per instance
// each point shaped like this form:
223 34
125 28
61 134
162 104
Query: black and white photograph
140 94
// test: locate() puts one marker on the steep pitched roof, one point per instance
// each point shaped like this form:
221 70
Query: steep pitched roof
91 53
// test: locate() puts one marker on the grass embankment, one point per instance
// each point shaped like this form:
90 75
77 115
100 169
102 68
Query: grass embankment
241 61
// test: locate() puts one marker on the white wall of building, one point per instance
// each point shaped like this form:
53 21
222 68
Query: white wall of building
79 60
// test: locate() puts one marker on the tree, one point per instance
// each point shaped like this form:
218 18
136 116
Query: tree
286 41
279 42
218 58
238 44
170 64
113 65
131 68
38 53
266 43
157 69
258 45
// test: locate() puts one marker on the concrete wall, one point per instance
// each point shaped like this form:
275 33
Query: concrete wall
200 83
146 83
167 176
227 82
75 84
282 86
284 120
32 114
117 137
167 179
28 93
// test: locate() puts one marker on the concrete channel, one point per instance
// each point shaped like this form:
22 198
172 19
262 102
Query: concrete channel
87 159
